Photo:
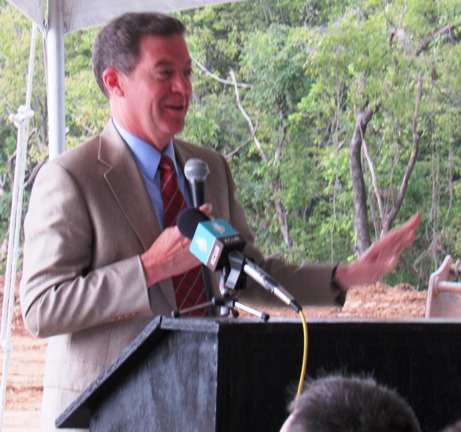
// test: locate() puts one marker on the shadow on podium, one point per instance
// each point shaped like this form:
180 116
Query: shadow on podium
239 374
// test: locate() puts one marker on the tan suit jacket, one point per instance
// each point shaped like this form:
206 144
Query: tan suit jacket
83 286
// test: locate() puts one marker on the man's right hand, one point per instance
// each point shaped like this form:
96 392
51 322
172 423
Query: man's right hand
169 255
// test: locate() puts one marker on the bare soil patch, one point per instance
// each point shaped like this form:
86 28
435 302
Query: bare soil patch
26 364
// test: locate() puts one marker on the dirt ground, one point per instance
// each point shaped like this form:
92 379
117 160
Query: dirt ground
26 365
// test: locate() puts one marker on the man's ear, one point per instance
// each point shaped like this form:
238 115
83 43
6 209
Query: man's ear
113 81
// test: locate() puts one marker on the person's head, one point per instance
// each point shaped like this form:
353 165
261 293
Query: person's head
142 64
349 404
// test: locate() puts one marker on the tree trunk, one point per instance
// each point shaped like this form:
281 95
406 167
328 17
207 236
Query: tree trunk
277 187
392 214
276 184
362 228
281 215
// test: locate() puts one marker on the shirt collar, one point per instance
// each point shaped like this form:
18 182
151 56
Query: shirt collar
147 157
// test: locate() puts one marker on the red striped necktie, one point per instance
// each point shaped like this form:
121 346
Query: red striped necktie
189 287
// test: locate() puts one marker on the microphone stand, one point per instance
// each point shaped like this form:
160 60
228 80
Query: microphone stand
235 281
232 278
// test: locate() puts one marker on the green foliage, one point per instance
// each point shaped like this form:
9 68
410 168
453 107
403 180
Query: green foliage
15 33
86 107
304 69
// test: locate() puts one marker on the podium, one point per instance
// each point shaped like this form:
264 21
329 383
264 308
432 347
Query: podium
229 374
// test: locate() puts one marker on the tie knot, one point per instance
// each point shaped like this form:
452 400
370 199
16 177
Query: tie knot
166 164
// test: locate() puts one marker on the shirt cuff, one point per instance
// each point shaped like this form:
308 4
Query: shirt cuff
341 297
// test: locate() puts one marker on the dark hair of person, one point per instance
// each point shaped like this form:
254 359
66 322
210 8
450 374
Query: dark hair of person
351 404
117 43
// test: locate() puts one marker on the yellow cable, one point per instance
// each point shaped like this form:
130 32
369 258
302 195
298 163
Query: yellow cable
304 364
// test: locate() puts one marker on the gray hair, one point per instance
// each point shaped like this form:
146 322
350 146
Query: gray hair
117 43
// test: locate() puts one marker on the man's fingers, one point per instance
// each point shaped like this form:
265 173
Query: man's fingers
206 208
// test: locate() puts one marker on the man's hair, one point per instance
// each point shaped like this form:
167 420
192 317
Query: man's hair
351 404
117 44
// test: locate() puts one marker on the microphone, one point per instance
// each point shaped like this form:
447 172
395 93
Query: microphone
270 284
212 240
218 245
196 171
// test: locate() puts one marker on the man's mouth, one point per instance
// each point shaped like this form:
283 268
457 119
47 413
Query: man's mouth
176 107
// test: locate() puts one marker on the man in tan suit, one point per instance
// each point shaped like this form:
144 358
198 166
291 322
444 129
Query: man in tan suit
97 260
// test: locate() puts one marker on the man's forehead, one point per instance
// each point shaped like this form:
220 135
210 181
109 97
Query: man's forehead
165 50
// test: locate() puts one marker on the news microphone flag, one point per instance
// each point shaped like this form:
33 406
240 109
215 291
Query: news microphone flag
212 239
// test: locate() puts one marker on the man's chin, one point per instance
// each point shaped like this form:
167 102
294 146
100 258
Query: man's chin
177 128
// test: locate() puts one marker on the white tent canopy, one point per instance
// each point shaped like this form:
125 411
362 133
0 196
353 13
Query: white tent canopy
80 14
64 16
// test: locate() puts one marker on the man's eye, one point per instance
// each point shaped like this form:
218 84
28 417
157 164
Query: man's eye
165 73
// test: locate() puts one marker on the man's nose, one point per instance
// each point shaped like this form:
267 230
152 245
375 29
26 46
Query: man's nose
182 84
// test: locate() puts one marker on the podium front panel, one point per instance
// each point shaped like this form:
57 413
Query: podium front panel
228 375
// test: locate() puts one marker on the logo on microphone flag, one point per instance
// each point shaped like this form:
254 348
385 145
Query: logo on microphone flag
210 239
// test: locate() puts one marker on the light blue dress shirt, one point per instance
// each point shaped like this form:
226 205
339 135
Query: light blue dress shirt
147 159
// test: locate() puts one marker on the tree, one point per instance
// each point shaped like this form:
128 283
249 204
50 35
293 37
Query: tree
339 118
365 63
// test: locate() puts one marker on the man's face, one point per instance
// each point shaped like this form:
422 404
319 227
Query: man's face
156 95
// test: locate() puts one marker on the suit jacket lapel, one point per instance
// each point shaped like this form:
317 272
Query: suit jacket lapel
123 177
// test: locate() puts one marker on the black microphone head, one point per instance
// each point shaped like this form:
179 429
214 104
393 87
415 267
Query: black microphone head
196 170
188 220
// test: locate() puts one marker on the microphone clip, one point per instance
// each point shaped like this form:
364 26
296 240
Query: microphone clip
233 273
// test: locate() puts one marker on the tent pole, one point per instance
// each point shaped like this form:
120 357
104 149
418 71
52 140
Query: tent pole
55 78
21 121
